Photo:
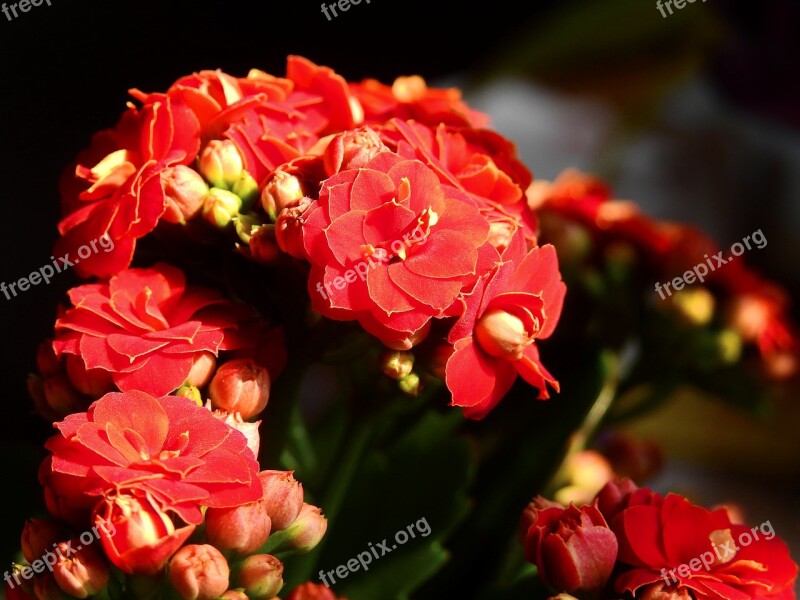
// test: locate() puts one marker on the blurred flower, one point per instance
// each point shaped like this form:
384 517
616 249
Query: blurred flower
168 447
632 457
501 319
585 473
146 328
572 548
199 572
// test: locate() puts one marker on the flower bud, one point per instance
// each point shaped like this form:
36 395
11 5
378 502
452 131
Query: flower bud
81 574
352 150
46 588
396 364
184 190
242 386
307 530
502 335
234 595
614 497
95 383
562 597
248 429
202 370
242 528
693 306
411 385
289 229
35 385
263 245
261 576
283 497
199 572
221 163
572 548
661 591
46 360
281 191
38 536
220 206
191 393
529 513
61 397
247 189
137 536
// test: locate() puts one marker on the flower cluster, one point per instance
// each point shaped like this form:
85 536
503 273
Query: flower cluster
635 541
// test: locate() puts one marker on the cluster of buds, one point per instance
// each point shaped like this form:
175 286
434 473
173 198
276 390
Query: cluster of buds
233 191
64 385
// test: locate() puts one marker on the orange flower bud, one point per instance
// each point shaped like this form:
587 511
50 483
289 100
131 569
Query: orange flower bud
240 385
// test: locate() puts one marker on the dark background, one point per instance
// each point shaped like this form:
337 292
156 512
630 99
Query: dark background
65 71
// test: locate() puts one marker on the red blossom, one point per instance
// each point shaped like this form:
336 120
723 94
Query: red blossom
168 448
146 327
501 319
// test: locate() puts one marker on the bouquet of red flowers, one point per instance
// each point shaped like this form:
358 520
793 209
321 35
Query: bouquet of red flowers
307 358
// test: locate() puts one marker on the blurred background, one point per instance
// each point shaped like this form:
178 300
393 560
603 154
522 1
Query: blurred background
695 116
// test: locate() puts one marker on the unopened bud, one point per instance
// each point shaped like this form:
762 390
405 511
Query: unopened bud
93 382
281 191
247 189
184 190
38 536
289 229
246 428
261 576
234 595
189 391
307 530
82 574
203 366
199 572
283 497
263 245
352 150
220 206
46 360
221 163
410 385
241 528
240 385
502 335
396 364
61 397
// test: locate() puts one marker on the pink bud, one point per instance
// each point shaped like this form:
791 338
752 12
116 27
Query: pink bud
281 191
283 497
261 576
242 528
221 163
38 536
83 574
199 572
203 366
184 190
289 229
95 383
240 385
308 529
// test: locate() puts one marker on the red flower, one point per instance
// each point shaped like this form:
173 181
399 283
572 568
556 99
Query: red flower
312 591
116 190
411 98
481 163
392 247
494 339
145 327
272 120
572 547
668 539
168 448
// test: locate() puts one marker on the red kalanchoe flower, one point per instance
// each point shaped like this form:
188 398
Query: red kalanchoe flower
116 191
392 247
176 452
145 327
495 337
411 98
670 540
312 591
572 547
